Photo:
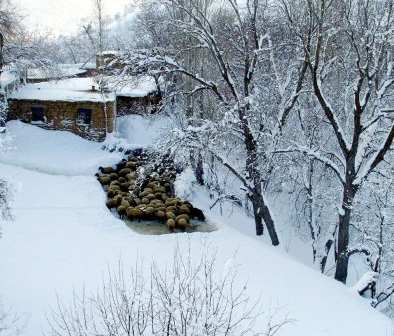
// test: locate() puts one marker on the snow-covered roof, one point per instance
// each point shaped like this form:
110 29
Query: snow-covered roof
88 66
58 71
70 90
135 87
110 53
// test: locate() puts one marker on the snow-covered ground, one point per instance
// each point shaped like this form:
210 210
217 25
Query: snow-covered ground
64 238
55 152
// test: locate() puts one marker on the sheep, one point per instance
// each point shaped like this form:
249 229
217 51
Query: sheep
131 165
124 171
146 191
113 176
131 176
118 199
183 223
111 203
152 185
171 201
172 208
122 180
121 165
183 216
121 210
104 180
145 200
149 211
125 186
154 203
125 203
171 224
197 213
106 170
150 197
160 189
184 209
170 215
112 193
161 215
115 182
164 197
133 213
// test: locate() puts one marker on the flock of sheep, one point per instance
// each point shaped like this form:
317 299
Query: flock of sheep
139 195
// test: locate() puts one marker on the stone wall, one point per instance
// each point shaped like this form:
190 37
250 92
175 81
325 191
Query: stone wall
60 115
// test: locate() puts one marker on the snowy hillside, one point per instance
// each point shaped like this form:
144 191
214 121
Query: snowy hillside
63 238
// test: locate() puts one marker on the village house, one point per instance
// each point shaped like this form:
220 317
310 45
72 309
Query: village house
67 97
135 95
80 106
138 96
74 105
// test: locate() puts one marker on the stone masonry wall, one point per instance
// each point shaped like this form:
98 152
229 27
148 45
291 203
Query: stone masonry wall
59 115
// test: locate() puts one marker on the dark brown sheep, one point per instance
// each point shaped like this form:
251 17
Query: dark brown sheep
104 180
124 171
114 176
197 213
121 210
106 170
184 209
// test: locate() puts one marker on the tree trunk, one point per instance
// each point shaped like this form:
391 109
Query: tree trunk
258 220
260 209
342 265
262 212
1 52
198 167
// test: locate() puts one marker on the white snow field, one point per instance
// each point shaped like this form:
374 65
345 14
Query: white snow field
63 238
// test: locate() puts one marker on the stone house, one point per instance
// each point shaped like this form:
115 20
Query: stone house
139 96
78 106
71 105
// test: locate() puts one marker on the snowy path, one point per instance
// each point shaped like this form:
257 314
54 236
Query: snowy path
63 238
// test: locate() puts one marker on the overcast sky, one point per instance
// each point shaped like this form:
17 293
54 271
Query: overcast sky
62 16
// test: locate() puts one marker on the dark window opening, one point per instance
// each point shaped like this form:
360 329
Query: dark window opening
84 116
37 114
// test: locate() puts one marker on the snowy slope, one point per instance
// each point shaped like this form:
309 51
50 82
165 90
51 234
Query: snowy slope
63 238
54 152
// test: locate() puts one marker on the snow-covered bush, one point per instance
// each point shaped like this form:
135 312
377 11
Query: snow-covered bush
190 297
184 184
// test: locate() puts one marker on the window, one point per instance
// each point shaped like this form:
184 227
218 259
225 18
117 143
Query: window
37 114
84 116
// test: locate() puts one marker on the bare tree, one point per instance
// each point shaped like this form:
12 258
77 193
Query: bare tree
9 24
236 58
99 16
362 76
189 297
